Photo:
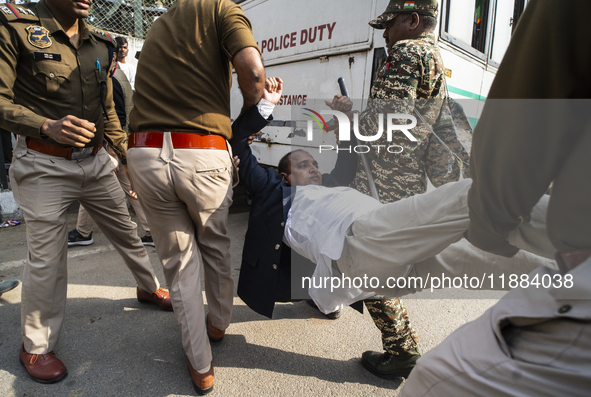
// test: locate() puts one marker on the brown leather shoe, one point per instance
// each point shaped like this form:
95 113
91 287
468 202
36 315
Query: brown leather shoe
203 383
159 298
215 335
43 368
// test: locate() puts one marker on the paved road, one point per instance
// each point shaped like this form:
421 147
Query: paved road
113 345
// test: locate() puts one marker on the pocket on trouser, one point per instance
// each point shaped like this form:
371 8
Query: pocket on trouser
214 187
105 164
23 163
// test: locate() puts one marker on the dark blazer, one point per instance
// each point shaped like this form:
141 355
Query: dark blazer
265 274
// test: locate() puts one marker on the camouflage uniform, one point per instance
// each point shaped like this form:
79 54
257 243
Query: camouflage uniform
412 77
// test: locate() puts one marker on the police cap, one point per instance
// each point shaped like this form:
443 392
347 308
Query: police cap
395 7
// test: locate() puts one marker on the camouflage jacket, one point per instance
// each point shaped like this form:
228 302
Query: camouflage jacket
411 78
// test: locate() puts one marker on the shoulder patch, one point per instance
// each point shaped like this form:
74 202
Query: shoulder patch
38 36
100 34
15 12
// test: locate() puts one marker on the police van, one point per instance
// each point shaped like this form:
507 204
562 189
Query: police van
310 44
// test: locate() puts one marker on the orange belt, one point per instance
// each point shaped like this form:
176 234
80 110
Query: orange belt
180 140
68 153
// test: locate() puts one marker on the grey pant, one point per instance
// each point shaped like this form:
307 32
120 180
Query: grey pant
44 186
186 194
420 236
85 224
533 342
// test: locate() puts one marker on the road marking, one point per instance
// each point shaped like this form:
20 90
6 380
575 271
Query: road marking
71 254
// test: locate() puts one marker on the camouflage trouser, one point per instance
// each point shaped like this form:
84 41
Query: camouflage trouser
391 318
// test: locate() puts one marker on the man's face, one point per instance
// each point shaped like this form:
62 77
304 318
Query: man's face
303 170
74 9
122 52
394 32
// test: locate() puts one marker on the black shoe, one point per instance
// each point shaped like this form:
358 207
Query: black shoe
8 285
389 366
147 240
75 238
331 316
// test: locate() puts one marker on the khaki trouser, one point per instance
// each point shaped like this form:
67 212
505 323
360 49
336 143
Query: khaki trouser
186 194
44 186
420 237
85 224
535 341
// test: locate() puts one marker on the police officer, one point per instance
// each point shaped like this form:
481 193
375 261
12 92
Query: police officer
534 131
55 93
122 97
179 161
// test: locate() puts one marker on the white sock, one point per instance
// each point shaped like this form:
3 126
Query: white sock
204 370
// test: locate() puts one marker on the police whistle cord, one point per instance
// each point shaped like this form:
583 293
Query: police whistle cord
370 182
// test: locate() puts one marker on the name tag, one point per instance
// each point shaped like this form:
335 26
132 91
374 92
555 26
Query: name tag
47 55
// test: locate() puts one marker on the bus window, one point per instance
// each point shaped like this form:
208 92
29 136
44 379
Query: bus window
506 17
466 24
480 18
503 27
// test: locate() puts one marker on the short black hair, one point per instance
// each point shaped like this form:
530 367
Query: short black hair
120 40
285 162
428 21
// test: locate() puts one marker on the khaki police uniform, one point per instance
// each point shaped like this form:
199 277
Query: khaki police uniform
183 93
534 131
44 76
85 224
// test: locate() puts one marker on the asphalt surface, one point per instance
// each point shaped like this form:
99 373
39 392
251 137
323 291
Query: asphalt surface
114 345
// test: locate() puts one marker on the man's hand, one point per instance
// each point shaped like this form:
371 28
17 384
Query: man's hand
273 89
252 137
236 162
340 103
69 130
343 104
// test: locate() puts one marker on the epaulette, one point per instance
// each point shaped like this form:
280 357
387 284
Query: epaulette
100 34
16 12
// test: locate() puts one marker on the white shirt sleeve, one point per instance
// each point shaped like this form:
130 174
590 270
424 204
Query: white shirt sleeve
265 108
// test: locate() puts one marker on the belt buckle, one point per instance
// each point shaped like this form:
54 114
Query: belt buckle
81 153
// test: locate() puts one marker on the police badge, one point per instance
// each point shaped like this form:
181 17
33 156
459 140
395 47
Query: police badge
38 36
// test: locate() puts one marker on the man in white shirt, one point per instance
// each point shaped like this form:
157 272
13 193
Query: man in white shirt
126 67
413 237
419 237
335 226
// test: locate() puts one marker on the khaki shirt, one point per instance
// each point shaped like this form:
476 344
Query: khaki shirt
43 76
184 74
535 130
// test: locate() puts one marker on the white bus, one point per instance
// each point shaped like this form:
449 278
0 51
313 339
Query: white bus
310 43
